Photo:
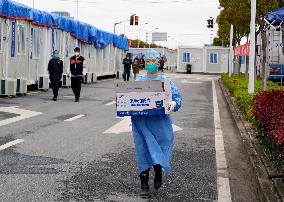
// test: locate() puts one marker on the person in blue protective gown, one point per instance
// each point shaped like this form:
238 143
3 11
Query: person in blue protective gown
153 135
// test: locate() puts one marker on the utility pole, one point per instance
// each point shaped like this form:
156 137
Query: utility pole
33 4
138 46
77 1
252 48
231 51
146 38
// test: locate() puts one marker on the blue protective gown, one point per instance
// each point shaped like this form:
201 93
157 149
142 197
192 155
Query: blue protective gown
153 135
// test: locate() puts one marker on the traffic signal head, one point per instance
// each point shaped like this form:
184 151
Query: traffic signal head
210 23
136 20
132 20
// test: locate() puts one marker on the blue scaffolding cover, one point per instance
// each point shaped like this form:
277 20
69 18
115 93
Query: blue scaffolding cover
276 16
82 31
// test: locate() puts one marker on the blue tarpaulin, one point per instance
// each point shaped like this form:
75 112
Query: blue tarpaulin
276 16
82 31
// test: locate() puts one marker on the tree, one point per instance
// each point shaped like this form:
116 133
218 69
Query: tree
220 42
281 3
237 12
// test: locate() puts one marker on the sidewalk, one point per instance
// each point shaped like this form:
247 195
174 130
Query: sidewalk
269 183
243 182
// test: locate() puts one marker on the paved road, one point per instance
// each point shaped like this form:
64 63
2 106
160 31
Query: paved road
80 160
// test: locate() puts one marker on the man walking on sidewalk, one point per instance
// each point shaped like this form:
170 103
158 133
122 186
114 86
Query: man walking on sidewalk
55 69
76 68
127 67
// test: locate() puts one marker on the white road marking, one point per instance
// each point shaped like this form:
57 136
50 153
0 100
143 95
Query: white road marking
31 93
176 128
23 114
10 144
67 96
74 118
124 126
110 103
190 82
223 184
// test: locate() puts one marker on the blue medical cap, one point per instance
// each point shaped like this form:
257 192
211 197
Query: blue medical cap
152 54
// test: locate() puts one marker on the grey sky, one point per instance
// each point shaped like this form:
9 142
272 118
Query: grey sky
184 20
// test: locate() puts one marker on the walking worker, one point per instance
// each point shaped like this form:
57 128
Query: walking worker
127 62
136 67
76 68
153 135
55 70
162 64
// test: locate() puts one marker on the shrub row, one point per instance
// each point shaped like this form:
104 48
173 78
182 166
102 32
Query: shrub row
268 110
264 109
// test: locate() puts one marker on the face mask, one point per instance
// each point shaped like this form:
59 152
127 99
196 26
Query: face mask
77 53
152 67
56 56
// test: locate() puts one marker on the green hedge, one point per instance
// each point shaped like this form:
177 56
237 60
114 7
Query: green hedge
238 87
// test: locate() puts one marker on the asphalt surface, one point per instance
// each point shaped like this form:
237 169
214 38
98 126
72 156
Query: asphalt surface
77 161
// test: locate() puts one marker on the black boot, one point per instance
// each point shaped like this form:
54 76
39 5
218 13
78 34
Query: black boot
144 177
158 176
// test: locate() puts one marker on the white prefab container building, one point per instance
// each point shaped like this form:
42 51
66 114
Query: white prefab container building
208 59
170 55
26 46
274 50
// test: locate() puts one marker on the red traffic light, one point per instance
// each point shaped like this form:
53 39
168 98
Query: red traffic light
136 20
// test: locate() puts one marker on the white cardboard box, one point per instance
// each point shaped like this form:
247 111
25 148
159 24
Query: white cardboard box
142 97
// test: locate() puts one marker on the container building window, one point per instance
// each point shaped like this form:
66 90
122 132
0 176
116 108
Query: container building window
21 40
186 57
213 58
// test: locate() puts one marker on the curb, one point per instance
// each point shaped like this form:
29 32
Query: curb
270 190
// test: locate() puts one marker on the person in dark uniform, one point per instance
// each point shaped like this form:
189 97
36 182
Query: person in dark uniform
76 68
162 64
55 70
127 62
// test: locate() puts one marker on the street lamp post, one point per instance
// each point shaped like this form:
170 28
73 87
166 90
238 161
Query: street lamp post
117 23
252 48
77 11
139 34
231 51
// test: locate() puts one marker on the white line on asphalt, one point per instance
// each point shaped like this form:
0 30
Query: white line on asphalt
74 118
124 126
223 184
190 81
110 103
10 144
69 96
23 114
31 93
